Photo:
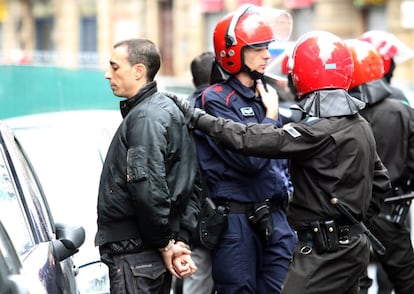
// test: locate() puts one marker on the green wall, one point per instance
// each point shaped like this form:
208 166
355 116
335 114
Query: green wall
31 89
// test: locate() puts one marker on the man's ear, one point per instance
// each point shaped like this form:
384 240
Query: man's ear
139 70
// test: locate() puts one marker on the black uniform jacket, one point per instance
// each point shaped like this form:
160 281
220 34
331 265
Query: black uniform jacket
393 125
147 181
329 157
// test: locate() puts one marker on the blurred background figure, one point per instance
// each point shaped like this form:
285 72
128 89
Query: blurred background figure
201 67
392 122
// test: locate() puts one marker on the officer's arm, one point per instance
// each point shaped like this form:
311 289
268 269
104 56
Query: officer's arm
252 139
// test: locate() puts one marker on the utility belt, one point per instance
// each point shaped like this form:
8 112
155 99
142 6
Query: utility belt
258 213
327 236
274 204
396 208
396 212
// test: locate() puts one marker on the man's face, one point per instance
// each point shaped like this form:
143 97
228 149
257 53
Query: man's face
256 58
121 75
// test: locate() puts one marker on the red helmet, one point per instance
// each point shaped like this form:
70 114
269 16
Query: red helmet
368 64
388 46
320 60
245 27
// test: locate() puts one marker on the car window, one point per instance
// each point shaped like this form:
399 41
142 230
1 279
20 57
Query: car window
8 255
35 198
11 211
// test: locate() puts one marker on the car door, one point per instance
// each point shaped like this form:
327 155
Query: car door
26 216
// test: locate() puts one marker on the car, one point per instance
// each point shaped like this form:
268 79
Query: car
68 149
12 277
44 248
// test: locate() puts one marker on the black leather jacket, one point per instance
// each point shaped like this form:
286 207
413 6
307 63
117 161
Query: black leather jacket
147 184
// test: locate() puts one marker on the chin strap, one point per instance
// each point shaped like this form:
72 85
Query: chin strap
254 75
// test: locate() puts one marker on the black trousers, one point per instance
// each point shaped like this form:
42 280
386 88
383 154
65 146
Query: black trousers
134 273
330 272
398 262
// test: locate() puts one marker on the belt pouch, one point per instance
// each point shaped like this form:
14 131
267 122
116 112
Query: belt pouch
318 237
331 233
400 211
212 225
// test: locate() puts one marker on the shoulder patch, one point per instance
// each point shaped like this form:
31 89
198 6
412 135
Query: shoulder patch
291 130
218 88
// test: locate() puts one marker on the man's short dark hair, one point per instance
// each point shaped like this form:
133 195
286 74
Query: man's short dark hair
143 51
201 68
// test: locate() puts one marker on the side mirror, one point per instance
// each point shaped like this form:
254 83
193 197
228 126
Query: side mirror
69 239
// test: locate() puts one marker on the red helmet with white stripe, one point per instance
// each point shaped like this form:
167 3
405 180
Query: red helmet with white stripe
320 60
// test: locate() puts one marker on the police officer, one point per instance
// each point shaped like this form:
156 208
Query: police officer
257 244
392 51
338 178
392 123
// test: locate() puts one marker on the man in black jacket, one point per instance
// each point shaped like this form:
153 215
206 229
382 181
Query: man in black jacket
339 180
148 201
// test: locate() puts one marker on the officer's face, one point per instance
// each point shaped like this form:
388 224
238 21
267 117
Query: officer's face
121 75
256 58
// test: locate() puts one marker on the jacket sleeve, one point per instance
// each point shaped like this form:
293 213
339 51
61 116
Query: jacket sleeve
189 217
147 179
381 188
252 139
241 163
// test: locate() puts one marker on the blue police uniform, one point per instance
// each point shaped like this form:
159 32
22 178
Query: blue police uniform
243 262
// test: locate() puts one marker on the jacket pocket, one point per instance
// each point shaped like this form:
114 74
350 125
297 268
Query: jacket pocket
146 264
136 169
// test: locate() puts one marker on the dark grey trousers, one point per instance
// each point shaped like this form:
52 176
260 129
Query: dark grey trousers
134 273
330 272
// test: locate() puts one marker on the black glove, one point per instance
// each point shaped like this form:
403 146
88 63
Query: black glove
191 114
261 219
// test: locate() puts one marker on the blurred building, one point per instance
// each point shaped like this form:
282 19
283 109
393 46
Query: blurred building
80 33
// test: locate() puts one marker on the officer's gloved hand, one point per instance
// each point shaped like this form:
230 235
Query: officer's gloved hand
191 114
261 219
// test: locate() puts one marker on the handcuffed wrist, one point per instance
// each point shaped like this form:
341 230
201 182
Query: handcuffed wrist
168 247
183 244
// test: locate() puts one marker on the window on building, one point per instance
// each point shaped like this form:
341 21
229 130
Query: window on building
88 33
44 43
44 30
88 56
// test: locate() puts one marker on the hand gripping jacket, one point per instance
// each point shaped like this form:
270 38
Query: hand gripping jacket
320 60
368 65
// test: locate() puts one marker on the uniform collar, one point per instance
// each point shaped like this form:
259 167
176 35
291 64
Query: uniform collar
330 103
241 89
372 92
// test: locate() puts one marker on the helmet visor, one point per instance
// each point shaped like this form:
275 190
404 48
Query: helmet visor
388 45
280 21
252 23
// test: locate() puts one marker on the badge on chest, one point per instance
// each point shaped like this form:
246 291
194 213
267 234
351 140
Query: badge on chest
247 111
